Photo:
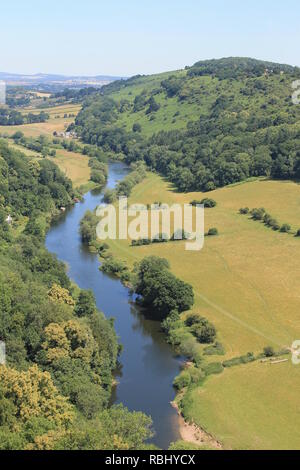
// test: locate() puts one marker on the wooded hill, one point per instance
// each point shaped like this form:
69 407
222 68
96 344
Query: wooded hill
60 350
212 124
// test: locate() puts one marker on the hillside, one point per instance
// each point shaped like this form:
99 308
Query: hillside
212 124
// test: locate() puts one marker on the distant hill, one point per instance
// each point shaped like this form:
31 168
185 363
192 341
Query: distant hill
212 124
54 82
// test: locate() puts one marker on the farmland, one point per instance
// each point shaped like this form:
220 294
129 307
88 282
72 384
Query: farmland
47 128
245 281
74 165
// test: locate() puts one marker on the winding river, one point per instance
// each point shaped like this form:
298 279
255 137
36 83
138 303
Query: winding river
148 363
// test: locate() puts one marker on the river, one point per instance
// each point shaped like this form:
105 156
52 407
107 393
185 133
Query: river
148 363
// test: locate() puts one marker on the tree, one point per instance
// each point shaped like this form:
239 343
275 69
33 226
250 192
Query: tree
88 225
136 127
68 339
86 304
212 232
33 394
61 295
269 351
285 228
201 328
160 289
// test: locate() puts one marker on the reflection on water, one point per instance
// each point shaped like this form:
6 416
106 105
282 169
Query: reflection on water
147 363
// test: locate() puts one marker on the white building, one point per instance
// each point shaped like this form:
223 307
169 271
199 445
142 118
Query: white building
8 220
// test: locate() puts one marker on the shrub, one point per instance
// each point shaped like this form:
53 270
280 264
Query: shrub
208 203
258 214
213 368
216 349
274 224
113 266
197 374
170 321
201 328
110 196
244 210
213 232
239 360
205 332
298 233
285 228
192 319
269 351
267 219
183 380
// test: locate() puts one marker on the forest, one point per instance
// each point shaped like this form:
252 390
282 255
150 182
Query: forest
60 350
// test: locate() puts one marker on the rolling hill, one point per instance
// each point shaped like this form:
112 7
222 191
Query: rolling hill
212 124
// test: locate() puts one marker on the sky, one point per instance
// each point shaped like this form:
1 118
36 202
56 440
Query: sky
127 37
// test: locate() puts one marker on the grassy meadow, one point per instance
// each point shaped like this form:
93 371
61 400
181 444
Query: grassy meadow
246 282
74 165
245 279
254 406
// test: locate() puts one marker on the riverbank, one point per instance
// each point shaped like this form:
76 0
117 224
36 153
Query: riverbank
148 364
191 433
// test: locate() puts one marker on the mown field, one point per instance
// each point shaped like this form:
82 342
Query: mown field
246 282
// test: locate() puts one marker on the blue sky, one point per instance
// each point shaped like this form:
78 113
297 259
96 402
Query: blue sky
126 37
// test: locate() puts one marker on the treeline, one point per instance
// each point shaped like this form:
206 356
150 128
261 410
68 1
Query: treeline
261 215
60 350
10 117
248 125
71 94
40 144
124 187
238 67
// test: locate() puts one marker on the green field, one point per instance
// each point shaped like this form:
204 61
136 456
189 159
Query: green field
251 307
246 282
250 407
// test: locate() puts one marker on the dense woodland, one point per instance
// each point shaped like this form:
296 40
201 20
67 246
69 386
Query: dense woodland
61 351
240 122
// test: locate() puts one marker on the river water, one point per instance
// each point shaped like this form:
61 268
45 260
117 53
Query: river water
148 363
